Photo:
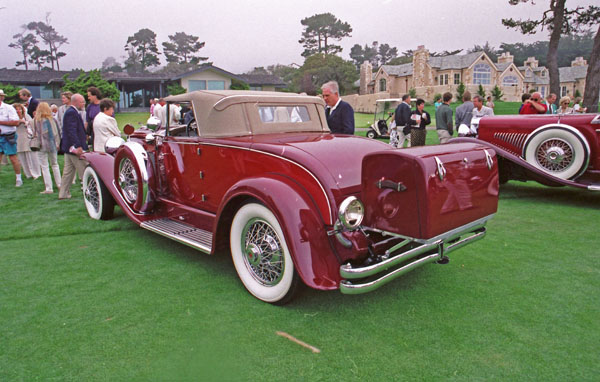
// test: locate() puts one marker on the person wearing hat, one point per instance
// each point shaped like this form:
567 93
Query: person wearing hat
8 141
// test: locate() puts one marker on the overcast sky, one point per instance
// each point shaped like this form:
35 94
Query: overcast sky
242 34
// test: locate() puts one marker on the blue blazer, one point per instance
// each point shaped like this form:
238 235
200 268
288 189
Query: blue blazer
403 114
33 104
73 131
341 121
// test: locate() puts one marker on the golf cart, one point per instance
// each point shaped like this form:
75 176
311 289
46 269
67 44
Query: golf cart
384 109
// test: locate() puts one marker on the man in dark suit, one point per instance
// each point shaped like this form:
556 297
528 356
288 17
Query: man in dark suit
340 115
402 118
30 102
73 145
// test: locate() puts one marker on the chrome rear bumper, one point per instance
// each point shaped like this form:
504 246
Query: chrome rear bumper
398 258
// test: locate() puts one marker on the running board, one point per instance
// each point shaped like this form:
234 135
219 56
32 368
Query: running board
183 233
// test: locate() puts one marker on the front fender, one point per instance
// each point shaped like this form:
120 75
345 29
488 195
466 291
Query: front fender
104 165
303 227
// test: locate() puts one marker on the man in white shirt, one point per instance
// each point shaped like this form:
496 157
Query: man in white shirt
105 126
479 111
9 119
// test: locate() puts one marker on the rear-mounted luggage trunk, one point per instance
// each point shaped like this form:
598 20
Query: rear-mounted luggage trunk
424 192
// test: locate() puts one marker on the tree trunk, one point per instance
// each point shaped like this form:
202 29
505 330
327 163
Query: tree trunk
592 79
558 11
25 60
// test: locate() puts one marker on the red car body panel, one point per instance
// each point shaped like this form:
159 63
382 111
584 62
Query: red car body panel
468 191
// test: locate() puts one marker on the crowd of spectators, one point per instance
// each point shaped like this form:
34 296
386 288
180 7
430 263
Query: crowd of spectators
32 133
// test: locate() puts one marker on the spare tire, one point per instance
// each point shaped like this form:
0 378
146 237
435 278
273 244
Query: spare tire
132 176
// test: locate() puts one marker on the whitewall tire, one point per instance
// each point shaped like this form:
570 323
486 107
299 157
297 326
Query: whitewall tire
261 256
98 201
558 151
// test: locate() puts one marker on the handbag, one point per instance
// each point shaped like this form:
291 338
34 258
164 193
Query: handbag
35 143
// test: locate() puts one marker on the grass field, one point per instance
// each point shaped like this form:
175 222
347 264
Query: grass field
86 300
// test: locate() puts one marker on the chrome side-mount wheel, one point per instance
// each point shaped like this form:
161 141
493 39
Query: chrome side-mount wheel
558 151
261 256
132 176
98 201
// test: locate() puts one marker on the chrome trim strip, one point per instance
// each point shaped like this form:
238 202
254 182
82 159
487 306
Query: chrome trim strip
594 187
182 143
331 218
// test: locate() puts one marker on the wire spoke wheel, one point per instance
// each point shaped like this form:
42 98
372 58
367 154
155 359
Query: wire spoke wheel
555 155
128 180
91 194
263 252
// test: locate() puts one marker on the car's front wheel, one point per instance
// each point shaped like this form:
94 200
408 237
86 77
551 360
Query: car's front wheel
261 256
371 134
558 151
98 201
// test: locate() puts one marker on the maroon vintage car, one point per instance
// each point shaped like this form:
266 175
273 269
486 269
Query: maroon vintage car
555 150
260 172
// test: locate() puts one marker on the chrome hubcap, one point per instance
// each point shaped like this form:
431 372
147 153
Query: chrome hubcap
555 155
263 252
128 180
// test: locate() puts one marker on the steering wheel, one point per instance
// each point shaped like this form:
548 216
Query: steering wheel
191 129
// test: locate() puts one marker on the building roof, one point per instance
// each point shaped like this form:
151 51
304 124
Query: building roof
204 68
454 62
503 65
19 76
572 73
398 70
262 80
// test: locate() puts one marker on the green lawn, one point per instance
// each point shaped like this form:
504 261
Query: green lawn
86 300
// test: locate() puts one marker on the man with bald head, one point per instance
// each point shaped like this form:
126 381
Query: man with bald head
534 105
73 145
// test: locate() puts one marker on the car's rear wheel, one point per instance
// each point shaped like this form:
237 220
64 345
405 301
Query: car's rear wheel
98 201
261 256
558 151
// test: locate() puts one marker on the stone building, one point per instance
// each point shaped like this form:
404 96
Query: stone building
436 75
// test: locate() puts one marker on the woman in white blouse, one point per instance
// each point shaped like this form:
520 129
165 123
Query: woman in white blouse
105 126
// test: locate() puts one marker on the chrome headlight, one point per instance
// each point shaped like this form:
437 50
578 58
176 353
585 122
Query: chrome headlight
351 212
112 144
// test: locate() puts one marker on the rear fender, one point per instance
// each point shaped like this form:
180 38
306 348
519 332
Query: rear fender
302 225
